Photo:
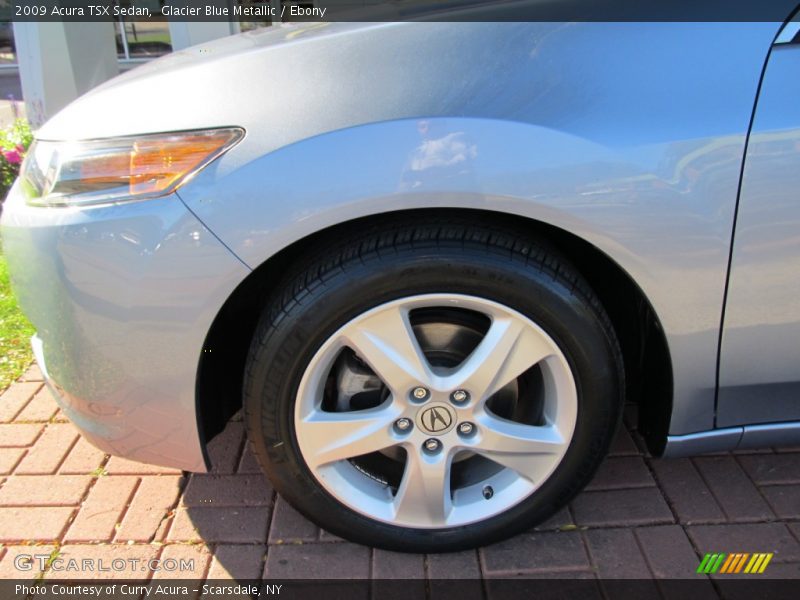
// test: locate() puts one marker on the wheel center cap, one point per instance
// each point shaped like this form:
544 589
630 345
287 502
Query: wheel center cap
436 419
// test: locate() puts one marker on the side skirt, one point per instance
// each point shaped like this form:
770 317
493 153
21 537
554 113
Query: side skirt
733 438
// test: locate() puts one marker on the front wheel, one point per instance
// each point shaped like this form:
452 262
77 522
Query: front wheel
432 388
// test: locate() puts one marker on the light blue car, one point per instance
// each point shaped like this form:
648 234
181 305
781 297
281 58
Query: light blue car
430 262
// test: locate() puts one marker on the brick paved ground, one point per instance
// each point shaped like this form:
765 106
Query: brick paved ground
640 518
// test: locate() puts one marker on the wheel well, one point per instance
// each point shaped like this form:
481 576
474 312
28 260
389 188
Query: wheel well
647 363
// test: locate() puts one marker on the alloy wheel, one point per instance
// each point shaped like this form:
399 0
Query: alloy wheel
435 411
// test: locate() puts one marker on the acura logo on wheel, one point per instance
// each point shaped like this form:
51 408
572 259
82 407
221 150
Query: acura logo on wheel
436 419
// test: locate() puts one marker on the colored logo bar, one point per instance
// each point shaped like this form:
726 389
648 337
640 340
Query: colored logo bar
737 562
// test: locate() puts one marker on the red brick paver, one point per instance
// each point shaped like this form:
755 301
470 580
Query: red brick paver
13 435
39 523
530 553
83 458
155 497
327 561
16 398
44 490
9 459
238 561
640 518
49 451
101 512
40 409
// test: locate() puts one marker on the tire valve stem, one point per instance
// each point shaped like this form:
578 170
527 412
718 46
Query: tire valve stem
488 492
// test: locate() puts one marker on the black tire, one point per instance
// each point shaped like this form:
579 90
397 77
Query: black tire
401 258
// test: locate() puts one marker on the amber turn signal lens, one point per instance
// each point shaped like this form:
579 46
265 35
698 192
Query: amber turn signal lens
157 166
120 169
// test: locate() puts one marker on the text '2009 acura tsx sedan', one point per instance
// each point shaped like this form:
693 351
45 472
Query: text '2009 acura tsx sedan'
429 262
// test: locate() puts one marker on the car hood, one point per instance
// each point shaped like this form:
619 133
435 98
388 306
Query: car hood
288 84
177 91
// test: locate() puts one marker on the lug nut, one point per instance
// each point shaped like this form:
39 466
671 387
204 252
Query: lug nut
420 393
466 428
402 424
459 396
488 492
432 446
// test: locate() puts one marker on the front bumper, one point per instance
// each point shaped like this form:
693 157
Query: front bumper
122 298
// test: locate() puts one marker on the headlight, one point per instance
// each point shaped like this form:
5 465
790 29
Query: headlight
118 169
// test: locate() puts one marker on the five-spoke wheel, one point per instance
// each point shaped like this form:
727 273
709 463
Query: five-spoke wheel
430 417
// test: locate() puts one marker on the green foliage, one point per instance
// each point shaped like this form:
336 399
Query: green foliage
14 143
15 333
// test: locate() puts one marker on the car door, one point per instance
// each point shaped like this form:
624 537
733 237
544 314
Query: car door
759 374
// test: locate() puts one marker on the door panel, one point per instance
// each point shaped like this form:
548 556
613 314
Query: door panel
760 353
